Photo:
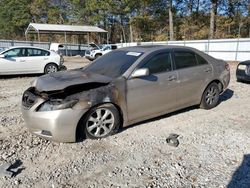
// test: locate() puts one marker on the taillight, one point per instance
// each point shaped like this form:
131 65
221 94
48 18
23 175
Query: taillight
227 67
61 59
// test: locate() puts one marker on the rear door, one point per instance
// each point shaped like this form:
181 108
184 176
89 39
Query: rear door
194 72
36 59
153 94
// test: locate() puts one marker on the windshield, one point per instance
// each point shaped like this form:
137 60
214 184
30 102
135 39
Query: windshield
106 48
114 63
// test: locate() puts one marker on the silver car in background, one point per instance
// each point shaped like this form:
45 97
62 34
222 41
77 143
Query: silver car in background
29 60
121 88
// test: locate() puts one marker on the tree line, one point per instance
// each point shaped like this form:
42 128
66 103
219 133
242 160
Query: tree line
130 20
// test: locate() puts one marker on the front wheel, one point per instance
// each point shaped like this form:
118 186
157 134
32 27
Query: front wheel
210 97
50 68
97 56
101 121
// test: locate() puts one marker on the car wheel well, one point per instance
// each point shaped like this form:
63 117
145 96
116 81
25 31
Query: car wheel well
50 64
79 133
218 82
98 54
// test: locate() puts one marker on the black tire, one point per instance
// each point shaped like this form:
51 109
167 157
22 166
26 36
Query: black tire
210 97
238 80
111 128
50 68
97 56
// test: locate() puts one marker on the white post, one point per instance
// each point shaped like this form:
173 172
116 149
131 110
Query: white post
88 38
107 38
65 41
38 34
237 49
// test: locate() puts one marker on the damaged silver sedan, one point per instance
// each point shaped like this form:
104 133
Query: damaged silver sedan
121 88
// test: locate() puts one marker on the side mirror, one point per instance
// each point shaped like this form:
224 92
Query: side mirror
2 56
140 73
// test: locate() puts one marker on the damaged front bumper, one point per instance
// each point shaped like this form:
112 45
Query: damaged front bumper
57 125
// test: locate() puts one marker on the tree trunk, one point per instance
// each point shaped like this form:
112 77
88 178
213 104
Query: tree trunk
198 7
123 31
248 19
190 6
131 33
212 18
171 24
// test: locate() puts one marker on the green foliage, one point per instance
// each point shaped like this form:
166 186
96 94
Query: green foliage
147 19
14 18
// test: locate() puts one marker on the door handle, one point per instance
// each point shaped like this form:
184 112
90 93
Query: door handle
208 70
45 58
22 60
171 78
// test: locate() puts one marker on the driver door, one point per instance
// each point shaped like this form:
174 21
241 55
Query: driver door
13 61
154 94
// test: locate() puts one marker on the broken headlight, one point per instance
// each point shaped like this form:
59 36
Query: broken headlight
56 104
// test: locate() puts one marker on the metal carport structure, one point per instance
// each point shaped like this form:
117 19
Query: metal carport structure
36 28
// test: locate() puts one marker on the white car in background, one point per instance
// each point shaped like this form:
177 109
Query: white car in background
97 51
29 60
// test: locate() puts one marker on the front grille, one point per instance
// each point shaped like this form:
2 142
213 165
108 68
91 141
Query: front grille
29 99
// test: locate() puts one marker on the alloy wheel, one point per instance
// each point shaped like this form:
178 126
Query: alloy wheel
100 122
51 69
212 95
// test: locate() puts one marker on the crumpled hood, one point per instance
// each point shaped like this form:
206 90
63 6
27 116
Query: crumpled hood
61 80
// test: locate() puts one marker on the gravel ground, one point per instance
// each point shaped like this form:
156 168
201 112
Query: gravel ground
214 148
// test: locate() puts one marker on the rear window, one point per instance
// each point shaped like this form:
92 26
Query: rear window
113 64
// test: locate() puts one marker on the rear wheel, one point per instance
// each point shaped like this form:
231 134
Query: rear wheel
210 97
101 121
50 68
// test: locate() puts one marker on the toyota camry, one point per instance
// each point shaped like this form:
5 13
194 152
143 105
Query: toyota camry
123 87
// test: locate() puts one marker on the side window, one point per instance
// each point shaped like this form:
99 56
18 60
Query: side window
201 60
37 52
17 52
45 53
29 52
159 63
184 59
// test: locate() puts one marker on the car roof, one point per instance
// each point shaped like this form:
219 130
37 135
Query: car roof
13 47
150 48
